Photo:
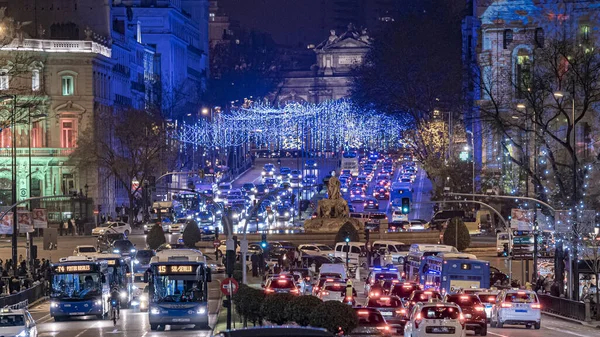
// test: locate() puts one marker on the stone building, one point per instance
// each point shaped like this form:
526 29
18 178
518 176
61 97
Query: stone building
330 77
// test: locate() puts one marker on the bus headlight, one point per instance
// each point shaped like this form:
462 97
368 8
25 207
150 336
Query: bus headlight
154 311
53 305
201 311
123 295
98 302
136 261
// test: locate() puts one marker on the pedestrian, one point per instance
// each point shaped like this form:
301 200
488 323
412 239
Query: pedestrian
554 289
20 258
277 269
254 259
70 227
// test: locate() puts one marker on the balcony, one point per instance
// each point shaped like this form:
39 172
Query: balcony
138 86
122 100
59 46
37 152
119 68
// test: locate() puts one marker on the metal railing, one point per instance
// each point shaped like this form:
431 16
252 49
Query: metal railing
27 296
564 307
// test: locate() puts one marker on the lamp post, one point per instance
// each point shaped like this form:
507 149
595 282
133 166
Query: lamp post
575 264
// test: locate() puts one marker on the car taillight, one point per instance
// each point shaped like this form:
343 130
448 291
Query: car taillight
505 305
325 293
479 308
294 291
401 312
536 306
374 294
418 320
268 290
384 328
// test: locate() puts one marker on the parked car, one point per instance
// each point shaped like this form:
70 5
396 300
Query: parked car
82 250
112 227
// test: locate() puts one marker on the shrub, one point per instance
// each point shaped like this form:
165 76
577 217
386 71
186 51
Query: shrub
156 237
191 234
299 310
457 226
333 316
274 308
347 230
248 302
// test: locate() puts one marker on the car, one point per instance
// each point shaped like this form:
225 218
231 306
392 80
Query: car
333 291
284 212
516 307
422 296
123 247
141 261
370 323
371 204
268 170
270 183
398 216
404 289
222 190
432 319
281 285
295 174
497 277
249 188
391 309
206 217
143 299
276 331
112 227
310 164
148 226
381 193
397 250
362 180
488 298
377 275
357 198
261 189
82 250
284 173
316 249
216 266
473 311
17 322
105 241
174 227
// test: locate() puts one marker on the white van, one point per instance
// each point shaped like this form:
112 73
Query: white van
335 270
502 238
355 251
397 250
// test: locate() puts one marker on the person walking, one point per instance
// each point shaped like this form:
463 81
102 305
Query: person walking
70 227
254 259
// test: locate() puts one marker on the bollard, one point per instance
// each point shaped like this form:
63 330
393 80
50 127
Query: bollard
588 311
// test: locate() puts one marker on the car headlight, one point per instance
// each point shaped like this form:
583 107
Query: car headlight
201 311
144 297
287 213
123 295
53 305
132 250
116 251
98 302
154 311
145 226
23 333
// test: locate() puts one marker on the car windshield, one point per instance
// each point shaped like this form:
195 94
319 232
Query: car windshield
386 276
12 320
488 298
384 302
83 285
369 318
464 300
324 247
123 244
521 297
87 249
402 248
403 291
440 312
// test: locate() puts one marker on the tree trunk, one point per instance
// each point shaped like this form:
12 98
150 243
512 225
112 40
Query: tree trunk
131 210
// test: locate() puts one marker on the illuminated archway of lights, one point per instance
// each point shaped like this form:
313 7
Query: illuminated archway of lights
326 126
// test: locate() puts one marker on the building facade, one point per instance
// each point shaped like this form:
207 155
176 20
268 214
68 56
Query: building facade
330 77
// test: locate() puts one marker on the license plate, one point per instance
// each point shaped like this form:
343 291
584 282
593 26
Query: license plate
441 329
521 310
76 313
67 305
384 313
181 319
468 316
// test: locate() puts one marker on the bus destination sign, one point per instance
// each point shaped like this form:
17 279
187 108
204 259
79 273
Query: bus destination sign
73 268
177 269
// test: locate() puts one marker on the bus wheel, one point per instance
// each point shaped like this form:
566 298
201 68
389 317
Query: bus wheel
153 327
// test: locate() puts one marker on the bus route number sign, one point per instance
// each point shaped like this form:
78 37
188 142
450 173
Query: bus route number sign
71 269
176 269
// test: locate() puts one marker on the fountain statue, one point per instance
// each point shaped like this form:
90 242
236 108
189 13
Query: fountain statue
332 212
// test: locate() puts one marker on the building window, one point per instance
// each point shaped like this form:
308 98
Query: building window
523 75
4 80
68 86
35 79
585 32
36 134
540 37
68 133
6 138
68 183
508 37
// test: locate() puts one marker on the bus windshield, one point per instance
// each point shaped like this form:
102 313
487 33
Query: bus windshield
81 286
175 288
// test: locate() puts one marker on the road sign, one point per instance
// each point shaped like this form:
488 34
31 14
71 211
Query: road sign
229 286
217 243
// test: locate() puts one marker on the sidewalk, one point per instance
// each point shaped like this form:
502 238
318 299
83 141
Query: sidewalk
591 324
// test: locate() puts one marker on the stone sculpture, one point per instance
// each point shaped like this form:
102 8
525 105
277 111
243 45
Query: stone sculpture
332 212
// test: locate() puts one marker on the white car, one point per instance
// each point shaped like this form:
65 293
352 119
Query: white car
84 250
316 249
112 227
332 291
17 322
174 227
398 216
516 307
434 319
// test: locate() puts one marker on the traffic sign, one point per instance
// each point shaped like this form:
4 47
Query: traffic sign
217 243
229 286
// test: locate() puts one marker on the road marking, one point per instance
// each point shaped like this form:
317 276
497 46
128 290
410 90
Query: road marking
496 334
84 331
566 331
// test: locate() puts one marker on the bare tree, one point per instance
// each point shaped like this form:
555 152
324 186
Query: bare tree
131 145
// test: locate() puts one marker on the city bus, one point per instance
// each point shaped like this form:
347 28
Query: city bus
178 289
416 255
350 162
119 274
450 274
397 192
78 287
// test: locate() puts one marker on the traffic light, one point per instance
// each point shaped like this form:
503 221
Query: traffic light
405 205
347 239
505 251
263 241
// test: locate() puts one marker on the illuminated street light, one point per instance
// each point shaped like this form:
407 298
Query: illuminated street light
520 106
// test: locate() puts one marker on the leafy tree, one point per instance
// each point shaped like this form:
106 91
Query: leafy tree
333 316
191 234
156 237
301 307
274 308
128 145
347 230
457 234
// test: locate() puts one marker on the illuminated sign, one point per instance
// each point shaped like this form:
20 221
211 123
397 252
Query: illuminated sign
111 262
73 269
465 266
177 269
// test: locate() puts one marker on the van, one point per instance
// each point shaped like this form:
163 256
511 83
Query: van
502 238
397 250
355 251
334 270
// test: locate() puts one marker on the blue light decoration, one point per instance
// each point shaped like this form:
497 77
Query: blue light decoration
328 126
